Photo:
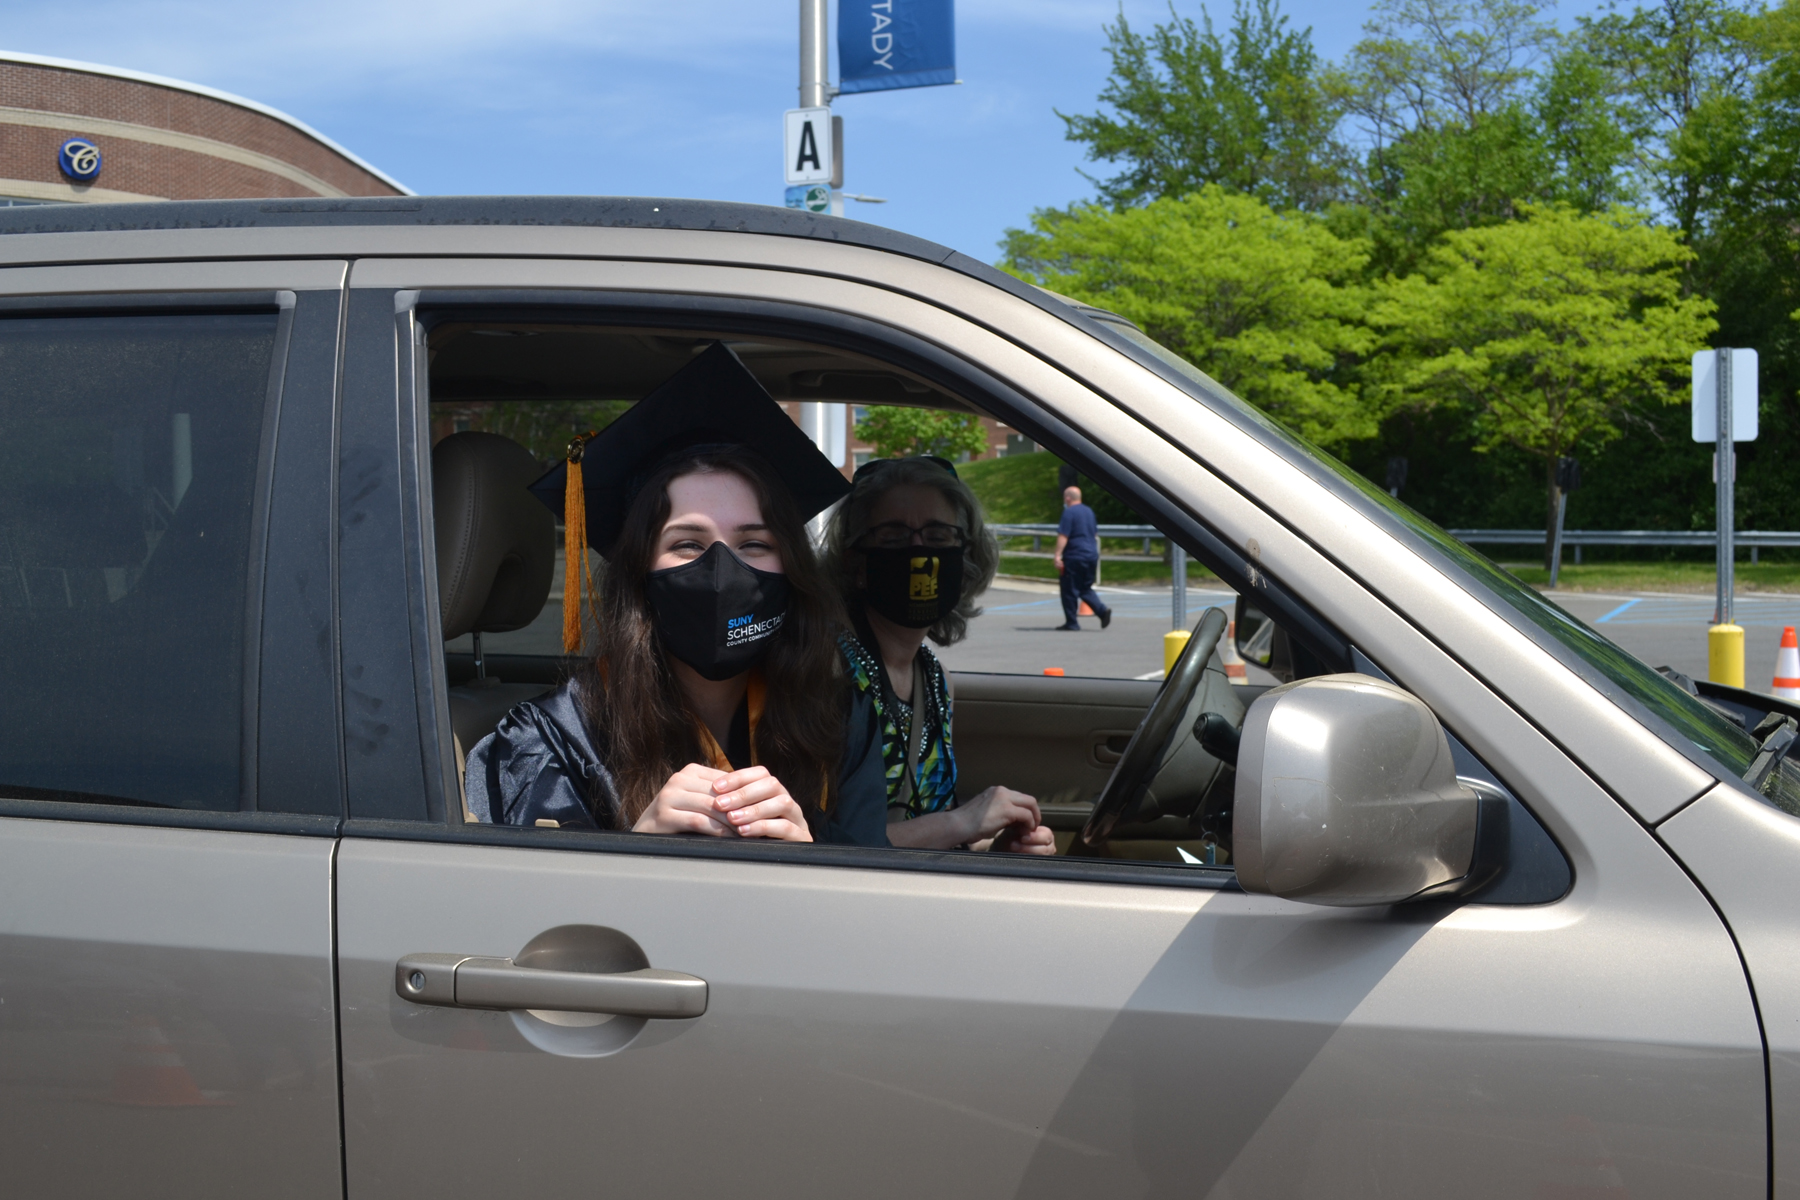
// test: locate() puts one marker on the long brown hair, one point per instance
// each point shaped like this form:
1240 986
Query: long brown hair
635 708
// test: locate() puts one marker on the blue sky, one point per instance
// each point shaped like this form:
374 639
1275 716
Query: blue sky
678 98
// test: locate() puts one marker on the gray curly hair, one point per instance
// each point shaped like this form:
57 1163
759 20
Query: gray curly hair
981 557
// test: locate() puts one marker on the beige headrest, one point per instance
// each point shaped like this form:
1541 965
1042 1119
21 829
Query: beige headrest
496 542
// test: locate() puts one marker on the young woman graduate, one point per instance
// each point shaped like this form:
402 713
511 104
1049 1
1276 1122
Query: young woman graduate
912 553
715 702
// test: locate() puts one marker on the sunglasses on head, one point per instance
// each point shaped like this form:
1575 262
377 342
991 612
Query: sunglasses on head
882 463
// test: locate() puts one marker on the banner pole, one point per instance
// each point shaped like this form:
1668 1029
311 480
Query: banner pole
815 54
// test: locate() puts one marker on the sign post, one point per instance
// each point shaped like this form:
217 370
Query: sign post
1725 414
1568 478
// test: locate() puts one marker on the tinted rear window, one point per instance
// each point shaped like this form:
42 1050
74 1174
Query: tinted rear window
129 451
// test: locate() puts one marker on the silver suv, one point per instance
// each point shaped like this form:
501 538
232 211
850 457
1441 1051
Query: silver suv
1460 901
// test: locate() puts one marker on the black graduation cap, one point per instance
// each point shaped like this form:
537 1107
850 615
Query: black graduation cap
712 400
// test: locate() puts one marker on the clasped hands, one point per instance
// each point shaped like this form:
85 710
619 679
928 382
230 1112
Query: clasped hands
746 803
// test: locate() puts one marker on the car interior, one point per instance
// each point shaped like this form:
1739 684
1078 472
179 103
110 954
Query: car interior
1079 744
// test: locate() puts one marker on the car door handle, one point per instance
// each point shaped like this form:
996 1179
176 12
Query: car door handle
466 981
1109 745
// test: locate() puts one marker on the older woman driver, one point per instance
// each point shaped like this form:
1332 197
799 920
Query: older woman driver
912 553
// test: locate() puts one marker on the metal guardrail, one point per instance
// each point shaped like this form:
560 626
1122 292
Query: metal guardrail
1037 533
1621 537
1754 539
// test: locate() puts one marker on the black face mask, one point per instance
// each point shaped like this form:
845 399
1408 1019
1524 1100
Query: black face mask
717 614
914 586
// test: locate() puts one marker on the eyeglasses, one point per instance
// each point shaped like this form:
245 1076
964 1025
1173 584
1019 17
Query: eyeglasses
879 464
892 535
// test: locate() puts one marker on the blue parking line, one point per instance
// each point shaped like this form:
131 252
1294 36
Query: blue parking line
1027 604
1615 612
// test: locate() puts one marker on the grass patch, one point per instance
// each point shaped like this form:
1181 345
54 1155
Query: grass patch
1659 576
1021 489
1017 488
1112 572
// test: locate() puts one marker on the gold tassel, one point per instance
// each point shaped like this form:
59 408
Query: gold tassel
575 560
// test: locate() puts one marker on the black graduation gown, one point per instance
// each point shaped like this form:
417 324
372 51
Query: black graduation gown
540 764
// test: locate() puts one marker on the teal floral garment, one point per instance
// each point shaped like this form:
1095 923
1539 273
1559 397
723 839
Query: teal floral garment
935 788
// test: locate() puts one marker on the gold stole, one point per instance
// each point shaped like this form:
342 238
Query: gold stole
754 693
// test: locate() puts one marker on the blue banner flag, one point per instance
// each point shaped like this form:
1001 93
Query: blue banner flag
896 44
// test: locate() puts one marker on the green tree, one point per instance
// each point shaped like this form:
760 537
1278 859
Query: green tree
1190 107
897 432
1469 107
1684 68
1548 332
1268 303
1434 64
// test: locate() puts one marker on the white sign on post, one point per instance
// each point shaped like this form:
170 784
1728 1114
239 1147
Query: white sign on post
1706 395
807 143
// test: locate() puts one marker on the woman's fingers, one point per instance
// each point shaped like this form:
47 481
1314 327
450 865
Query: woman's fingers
751 793
729 781
791 830
753 803
1024 803
997 808
1016 839
665 817
685 805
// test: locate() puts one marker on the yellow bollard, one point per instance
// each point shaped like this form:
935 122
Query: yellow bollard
1176 640
1725 655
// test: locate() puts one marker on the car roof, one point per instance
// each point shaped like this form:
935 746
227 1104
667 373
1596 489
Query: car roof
615 212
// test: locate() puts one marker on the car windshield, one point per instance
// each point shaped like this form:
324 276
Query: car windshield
1721 739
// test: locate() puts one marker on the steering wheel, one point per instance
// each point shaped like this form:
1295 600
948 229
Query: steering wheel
1150 743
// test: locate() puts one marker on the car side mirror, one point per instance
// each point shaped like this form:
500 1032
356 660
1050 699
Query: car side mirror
1347 795
1253 633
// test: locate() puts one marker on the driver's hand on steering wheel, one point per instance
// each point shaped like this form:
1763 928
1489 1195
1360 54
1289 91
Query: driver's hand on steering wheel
1008 821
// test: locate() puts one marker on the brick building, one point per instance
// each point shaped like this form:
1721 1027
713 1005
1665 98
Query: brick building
157 139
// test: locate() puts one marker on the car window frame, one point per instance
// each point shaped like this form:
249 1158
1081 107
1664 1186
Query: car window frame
415 312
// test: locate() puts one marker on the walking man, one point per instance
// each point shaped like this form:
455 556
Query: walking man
1077 559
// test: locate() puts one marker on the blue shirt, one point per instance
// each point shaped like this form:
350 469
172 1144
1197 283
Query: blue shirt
1079 526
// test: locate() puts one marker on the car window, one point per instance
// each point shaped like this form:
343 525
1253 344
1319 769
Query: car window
540 386
1707 730
129 450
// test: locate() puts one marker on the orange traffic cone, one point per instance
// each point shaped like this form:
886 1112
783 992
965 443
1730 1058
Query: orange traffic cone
152 1075
1085 611
1787 666
1234 662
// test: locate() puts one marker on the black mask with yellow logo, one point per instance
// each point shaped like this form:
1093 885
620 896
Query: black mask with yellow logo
914 586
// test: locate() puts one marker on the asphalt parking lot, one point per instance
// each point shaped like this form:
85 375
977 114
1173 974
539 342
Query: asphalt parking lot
1017 629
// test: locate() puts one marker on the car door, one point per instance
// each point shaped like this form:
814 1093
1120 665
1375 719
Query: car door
885 1022
168 781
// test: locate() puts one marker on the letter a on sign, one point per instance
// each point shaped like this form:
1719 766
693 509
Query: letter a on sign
807 138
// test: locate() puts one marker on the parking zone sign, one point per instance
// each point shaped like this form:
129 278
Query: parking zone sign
807 142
